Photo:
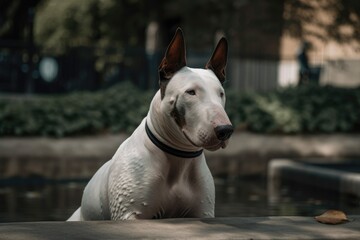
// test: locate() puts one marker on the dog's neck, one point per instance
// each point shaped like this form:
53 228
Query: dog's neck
165 129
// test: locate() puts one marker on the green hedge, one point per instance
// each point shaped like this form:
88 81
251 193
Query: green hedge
309 109
118 109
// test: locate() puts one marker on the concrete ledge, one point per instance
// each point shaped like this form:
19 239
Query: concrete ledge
246 154
280 170
218 228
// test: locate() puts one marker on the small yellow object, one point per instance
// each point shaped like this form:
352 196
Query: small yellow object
332 217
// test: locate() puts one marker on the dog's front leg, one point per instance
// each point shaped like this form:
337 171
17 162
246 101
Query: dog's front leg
206 195
135 195
94 203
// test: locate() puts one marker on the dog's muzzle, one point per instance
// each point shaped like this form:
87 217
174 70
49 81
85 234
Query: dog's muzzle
224 132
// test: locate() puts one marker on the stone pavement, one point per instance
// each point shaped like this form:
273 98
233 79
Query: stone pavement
260 228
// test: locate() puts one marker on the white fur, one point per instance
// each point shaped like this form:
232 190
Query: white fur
141 181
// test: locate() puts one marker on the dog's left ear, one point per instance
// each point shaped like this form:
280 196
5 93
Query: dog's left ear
217 62
173 61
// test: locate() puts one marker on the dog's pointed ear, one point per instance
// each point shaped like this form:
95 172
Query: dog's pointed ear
217 62
173 61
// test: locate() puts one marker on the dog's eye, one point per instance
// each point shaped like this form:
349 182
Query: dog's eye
222 94
191 92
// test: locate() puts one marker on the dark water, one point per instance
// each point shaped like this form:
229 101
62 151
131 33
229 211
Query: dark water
39 200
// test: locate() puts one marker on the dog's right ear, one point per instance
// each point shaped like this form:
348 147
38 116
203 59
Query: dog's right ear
173 61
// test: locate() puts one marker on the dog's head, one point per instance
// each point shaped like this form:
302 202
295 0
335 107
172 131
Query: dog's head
195 98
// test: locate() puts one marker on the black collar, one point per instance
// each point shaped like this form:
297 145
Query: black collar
168 149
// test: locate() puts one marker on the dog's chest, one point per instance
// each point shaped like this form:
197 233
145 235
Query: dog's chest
175 194
176 197
178 200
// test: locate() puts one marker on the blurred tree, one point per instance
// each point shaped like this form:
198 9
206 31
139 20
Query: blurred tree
62 24
14 19
70 23
120 23
111 33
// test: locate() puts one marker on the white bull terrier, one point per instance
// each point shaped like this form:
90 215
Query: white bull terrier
160 170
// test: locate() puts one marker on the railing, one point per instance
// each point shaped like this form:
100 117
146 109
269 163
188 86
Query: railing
84 69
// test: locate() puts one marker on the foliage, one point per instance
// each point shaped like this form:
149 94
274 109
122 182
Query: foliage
106 23
308 109
60 24
120 108
109 22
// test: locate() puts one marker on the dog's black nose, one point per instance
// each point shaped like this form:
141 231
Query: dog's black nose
223 132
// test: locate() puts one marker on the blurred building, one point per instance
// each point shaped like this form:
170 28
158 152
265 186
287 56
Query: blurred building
335 47
269 37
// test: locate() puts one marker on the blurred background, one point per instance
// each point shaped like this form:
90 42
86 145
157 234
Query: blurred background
77 76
